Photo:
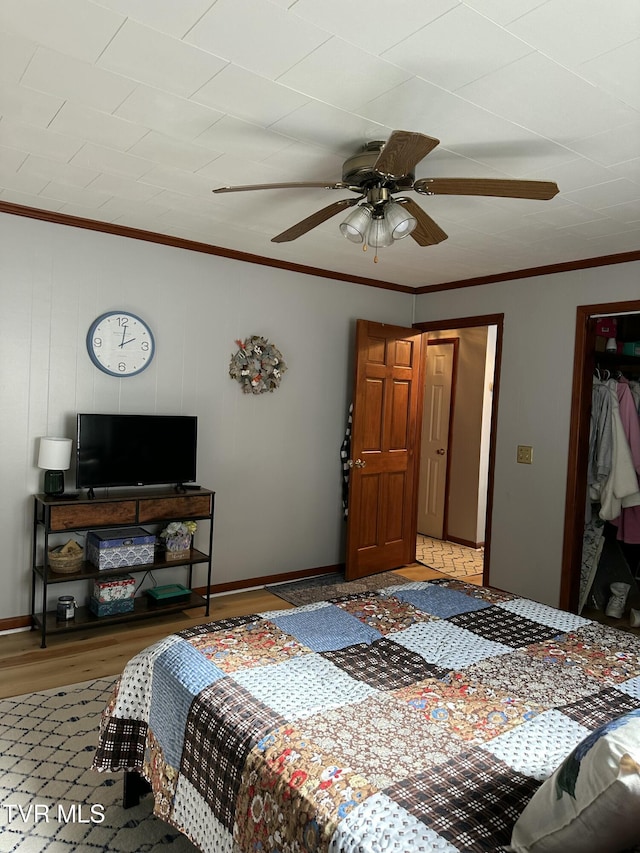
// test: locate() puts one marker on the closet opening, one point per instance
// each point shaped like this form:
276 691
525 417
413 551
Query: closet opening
602 528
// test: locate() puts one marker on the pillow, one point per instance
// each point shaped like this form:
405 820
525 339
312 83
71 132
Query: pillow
591 804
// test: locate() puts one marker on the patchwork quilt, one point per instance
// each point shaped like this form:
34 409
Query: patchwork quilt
421 717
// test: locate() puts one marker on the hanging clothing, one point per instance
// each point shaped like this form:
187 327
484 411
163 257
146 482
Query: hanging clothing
628 522
621 487
630 421
613 471
345 455
600 440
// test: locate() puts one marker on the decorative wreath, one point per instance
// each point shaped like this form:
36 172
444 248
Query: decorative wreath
257 365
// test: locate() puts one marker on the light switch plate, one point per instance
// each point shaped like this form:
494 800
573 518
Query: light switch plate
525 454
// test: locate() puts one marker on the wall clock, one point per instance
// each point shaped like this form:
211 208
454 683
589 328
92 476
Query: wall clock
120 343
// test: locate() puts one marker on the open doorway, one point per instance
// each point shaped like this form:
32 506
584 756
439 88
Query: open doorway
457 445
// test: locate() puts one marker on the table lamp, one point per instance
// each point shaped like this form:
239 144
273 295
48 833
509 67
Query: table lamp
55 458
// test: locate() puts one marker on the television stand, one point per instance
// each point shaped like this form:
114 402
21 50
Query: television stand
54 517
91 494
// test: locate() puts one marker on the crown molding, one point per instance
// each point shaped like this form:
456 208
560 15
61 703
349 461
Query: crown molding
192 245
531 272
246 257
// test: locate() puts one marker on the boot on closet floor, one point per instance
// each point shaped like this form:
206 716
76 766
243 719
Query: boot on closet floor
619 593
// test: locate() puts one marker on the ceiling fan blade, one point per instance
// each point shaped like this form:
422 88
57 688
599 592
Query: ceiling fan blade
316 218
325 185
542 190
402 151
427 232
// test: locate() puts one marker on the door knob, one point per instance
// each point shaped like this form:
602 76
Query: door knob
440 451
357 464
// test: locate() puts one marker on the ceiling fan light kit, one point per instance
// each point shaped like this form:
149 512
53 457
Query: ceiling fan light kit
379 170
378 221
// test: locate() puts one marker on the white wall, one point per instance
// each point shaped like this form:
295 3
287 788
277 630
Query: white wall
534 408
273 459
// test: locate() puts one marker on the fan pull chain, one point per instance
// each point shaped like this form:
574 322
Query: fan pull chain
364 249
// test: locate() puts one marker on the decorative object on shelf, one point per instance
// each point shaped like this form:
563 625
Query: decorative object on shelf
173 593
114 595
120 343
55 457
66 608
67 558
177 538
121 546
257 365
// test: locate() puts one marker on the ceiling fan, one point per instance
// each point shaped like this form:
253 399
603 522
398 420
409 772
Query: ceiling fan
381 169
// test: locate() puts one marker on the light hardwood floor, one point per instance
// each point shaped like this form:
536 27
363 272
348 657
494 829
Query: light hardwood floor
102 652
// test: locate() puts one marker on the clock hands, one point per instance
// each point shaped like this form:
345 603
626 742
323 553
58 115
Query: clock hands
123 342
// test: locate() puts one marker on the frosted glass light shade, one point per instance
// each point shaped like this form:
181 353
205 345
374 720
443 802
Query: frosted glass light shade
399 220
55 453
355 225
379 234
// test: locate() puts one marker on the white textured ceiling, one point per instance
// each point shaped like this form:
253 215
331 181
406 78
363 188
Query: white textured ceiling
131 111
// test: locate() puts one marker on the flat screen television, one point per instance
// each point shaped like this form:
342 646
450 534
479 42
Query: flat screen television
135 450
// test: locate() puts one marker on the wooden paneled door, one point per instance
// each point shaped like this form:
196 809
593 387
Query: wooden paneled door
381 528
435 437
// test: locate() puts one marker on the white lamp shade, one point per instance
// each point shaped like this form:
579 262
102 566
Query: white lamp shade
55 453
355 225
400 221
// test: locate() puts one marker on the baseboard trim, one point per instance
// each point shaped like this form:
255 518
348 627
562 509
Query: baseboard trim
264 580
14 623
468 543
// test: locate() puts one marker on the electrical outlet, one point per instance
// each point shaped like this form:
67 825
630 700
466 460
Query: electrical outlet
524 454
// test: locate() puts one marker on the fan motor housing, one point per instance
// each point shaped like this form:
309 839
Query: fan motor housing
358 171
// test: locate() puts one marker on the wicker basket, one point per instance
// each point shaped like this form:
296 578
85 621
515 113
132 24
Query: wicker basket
65 564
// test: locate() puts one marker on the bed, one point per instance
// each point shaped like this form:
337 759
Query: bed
419 717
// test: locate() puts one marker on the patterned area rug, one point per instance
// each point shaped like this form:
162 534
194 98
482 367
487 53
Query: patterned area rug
50 801
333 585
457 561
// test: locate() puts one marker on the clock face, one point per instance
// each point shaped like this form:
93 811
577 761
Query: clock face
120 343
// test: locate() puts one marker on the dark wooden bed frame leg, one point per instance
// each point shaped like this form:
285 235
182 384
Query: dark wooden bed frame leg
135 786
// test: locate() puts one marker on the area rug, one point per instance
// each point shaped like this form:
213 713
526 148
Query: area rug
50 799
333 585
457 561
